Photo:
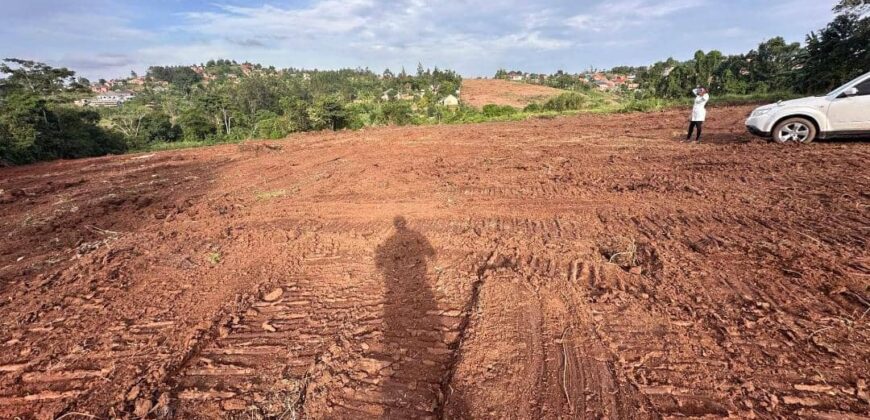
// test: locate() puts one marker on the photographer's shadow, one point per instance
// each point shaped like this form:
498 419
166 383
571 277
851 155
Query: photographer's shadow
412 335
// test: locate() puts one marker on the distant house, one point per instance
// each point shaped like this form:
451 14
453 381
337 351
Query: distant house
515 76
450 100
247 68
604 84
107 99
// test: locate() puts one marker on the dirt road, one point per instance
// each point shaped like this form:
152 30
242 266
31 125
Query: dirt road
577 267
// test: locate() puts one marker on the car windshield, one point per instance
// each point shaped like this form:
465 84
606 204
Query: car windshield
839 90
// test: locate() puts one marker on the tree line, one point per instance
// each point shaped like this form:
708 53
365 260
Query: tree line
830 57
221 100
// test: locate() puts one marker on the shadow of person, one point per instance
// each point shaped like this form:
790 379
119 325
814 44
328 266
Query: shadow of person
411 325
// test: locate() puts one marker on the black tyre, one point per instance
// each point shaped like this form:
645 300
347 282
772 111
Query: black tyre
794 130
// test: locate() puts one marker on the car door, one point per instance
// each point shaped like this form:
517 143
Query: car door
851 113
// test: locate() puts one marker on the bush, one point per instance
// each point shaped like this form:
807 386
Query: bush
533 107
196 126
569 101
157 127
396 112
644 105
271 126
493 110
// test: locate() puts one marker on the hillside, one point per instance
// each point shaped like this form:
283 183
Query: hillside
480 92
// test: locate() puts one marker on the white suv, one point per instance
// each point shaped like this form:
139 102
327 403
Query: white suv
845 112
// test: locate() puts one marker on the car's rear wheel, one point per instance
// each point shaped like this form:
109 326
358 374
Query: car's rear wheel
794 130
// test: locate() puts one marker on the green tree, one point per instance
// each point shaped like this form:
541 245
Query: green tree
195 125
157 127
857 7
296 112
37 122
836 54
328 112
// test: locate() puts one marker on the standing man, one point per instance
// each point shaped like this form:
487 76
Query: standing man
699 112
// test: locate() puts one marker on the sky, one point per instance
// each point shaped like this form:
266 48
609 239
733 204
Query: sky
109 38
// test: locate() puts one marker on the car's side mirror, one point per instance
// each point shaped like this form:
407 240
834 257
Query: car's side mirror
852 91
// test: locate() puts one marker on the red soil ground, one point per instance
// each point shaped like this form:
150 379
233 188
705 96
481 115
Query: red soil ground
577 267
480 92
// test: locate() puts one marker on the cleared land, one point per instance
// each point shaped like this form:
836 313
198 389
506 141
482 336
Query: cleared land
577 267
480 92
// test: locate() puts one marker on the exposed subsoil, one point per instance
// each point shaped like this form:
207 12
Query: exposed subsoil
480 92
579 267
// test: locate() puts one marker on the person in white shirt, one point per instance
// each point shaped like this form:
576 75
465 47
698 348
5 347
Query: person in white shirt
699 112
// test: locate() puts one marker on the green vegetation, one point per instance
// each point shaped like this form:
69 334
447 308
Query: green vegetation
36 122
265 195
220 101
776 69
213 257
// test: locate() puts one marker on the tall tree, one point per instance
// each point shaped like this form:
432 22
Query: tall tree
837 53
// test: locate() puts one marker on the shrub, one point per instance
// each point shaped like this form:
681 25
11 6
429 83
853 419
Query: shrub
569 101
196 126
396 112
533 107
644 105
493 110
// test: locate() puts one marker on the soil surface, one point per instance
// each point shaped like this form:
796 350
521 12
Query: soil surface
578 267
480 92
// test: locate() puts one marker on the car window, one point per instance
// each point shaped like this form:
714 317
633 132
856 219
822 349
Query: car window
863 87
836 92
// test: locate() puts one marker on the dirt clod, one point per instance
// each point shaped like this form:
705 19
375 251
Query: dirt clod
142 407
273 295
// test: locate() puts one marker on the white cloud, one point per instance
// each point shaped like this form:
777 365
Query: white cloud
324 17
107 38
614 16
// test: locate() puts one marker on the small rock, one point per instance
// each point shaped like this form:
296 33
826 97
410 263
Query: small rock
273 295
268 327
635 270
142 407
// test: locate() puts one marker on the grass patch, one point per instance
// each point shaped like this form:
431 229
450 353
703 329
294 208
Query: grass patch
213 257
266 195
566 104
